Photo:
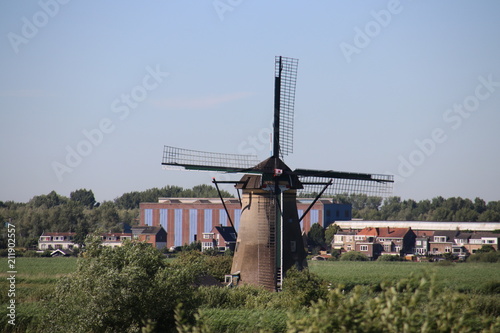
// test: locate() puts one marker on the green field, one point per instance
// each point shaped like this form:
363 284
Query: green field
463 277
40 274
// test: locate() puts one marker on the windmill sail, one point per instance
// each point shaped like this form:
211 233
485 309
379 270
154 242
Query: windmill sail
207 161
345 182
285 73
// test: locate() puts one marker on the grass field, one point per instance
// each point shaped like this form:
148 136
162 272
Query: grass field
463 277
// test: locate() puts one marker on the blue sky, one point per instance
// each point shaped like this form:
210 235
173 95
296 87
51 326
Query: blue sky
90 91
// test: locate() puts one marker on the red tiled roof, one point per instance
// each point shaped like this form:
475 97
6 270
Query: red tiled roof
368 231
392 232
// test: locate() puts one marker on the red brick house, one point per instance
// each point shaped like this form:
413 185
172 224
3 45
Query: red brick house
156 236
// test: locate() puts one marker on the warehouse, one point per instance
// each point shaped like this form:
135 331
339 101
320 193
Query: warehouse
186 219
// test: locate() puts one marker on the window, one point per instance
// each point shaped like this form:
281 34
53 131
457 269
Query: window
206 236
363 247
440 239
293 246
447 250
419 243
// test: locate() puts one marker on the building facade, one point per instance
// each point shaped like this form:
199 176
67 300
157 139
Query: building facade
187 219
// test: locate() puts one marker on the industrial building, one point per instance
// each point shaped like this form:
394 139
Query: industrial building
186 219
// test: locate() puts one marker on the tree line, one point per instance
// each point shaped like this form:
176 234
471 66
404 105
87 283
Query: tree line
82 214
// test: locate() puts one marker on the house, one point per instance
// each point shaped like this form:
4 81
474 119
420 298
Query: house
478 239
344 240
422 239
365 243
396 241
442 241
56 240
115 239
156 236
220 237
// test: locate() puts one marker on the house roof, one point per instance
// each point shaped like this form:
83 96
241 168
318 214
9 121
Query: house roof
346 233
146 230
424 233
450 234
228 233
392 232
477 235
58 233
464 235
116 234
368 231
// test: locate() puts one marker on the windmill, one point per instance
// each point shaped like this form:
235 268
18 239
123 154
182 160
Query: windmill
269 240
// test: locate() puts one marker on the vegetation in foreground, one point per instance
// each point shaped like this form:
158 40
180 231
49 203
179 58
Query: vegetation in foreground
133 289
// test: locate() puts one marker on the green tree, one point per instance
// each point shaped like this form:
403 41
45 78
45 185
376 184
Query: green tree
48 201
466 215
489 216
330 232
83 197
120 290
317 235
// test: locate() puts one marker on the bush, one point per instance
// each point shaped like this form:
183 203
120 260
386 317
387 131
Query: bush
388 257
410 305
493 257
491 287
354 256
122 290
304 287
30 254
